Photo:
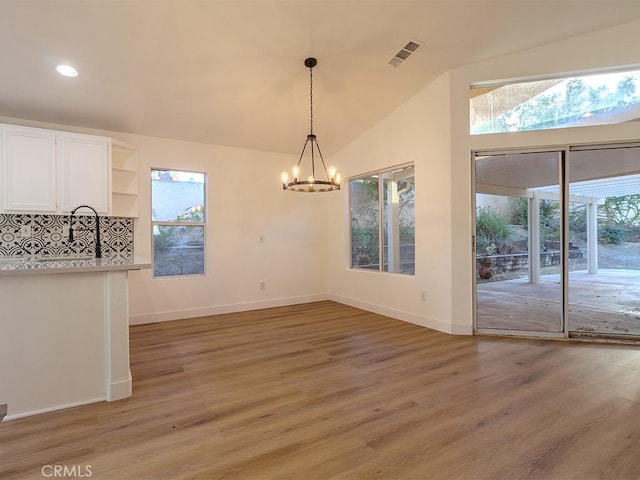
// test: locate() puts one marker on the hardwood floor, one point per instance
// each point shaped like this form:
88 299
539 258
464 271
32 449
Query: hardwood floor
326 391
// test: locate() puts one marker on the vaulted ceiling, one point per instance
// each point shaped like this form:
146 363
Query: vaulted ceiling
232 72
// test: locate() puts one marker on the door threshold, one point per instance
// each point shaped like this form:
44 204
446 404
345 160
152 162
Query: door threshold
605 337
520 334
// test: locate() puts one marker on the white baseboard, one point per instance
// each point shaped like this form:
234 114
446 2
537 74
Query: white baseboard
139 319
431 323
119 390
53 409
422 321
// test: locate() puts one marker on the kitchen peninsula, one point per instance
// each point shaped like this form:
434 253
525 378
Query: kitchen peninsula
64 337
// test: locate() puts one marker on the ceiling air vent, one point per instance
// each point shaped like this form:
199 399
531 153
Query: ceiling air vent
405 52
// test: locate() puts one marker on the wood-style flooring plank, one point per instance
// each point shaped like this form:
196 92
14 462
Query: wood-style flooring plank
326 391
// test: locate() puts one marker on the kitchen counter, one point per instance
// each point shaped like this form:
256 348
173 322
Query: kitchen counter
50 265
65 332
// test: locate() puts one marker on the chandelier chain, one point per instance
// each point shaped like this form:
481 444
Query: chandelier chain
311 99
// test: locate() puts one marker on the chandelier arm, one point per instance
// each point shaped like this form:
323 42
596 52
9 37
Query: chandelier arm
324 166
304 147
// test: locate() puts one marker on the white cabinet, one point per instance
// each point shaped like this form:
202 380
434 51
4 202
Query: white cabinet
49 171
84 172
28 162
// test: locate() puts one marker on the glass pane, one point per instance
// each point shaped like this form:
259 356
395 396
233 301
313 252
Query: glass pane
365 241
518 247
578 245
398 212
177 196
178 250
604 298
502 238
598 99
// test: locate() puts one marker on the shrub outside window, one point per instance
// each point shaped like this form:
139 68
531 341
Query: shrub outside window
392 220
178 222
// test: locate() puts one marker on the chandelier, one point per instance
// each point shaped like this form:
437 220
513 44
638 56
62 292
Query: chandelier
312 183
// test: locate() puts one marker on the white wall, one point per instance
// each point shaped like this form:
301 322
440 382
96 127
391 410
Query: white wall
245 200
416 132
432 129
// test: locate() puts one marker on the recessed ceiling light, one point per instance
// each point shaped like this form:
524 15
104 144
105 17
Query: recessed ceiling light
67 70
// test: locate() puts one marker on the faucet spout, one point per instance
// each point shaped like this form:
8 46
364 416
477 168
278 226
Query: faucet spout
97 236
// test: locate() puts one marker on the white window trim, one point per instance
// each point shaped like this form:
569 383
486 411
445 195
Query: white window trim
379 173
158 223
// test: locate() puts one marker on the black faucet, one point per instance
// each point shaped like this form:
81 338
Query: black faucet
98 247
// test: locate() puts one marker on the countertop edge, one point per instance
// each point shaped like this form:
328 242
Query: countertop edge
63 267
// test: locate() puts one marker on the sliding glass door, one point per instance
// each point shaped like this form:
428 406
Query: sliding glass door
519 242
557 241
604 282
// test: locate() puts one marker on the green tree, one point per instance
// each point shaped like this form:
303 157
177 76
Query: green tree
192 214
622 211
578 222
626 91
519 211
549 221
492 229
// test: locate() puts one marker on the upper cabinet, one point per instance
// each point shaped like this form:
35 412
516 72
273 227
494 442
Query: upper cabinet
84 172
28 170
47 171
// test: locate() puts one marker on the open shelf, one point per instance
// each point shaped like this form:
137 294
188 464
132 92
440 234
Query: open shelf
124 180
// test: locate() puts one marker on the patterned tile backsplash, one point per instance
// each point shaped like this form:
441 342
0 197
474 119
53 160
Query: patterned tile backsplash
46 236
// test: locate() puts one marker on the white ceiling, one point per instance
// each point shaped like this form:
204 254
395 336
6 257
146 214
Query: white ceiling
232 72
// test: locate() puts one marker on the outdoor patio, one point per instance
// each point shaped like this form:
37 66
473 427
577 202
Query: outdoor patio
607 302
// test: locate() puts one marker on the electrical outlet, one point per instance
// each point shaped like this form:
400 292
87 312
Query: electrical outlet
263 285
25 231
423 296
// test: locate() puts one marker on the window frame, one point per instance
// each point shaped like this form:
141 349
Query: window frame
380 218
166 223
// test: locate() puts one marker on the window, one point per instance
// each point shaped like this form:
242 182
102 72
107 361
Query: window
392 220
178 222
597 99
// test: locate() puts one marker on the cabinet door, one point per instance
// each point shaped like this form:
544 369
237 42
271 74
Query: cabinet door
85 172
29 170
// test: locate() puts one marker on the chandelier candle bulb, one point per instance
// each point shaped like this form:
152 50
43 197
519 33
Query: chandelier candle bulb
285 177
296 172
332 172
